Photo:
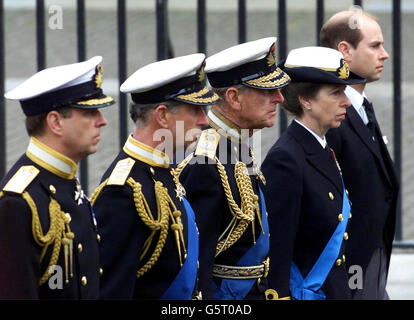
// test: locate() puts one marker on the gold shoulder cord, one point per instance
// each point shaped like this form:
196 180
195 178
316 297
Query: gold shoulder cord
59 234
243 216
166 209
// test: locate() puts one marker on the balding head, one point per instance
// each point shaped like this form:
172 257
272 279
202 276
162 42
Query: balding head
344 26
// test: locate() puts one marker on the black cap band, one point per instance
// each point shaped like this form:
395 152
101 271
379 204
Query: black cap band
239 74
168 91
66 96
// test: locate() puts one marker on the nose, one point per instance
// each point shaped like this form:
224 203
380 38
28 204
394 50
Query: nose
100 119
346 102
277 96
202 118
384 54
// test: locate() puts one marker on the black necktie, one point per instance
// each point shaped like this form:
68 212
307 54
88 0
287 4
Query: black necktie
371 117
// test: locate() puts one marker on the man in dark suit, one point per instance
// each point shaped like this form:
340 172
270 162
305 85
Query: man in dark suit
362 153
48 235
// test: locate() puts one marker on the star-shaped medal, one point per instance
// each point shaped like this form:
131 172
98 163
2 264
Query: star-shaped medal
79 194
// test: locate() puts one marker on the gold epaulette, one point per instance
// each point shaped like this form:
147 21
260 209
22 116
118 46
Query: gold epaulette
206 146
207 143
121 172
21 179
118 177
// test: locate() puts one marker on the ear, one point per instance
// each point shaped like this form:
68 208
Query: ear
346 49
233 98
305 103
161 115
54 122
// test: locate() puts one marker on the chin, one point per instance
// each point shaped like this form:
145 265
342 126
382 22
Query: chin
336 124
92 150
268 124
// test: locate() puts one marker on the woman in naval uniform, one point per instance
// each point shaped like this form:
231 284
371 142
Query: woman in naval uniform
306 200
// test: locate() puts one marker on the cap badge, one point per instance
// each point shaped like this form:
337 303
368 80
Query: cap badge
98 76
271 58
343 70
201 74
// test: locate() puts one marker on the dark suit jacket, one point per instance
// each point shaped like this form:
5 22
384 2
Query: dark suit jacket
371 180
300 177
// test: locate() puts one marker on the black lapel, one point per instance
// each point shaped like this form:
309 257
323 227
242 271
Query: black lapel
316 155
361 130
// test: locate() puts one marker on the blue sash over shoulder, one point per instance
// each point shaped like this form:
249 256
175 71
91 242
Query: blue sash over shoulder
183 285
237 289
309 288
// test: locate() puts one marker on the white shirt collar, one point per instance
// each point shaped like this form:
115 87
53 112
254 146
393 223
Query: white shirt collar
320 140
357 100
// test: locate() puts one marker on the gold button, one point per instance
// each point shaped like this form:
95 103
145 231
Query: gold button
338 262
331 196
100 271
350 215
52 188
340 217
98 238
80 248
346 191
343 258
271 294
346 236
84 281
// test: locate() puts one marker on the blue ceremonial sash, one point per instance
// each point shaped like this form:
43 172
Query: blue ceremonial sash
309 288
183 285
237 289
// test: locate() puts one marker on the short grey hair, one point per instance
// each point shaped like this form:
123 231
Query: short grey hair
140 113
221 92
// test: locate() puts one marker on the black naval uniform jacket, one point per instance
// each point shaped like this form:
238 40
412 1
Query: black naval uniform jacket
370 177
124 232
205 192
21 266
304 199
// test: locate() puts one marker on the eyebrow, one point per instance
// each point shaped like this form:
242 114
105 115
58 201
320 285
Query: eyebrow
376 42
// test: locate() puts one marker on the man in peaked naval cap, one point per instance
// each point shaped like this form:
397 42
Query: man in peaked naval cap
231 213
48 236
150 240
